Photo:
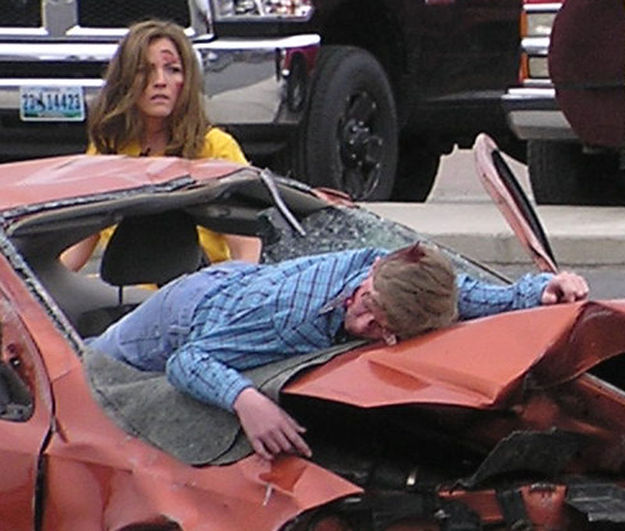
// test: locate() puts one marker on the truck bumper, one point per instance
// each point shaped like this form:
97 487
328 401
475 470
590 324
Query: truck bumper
253 83
259 81
533 114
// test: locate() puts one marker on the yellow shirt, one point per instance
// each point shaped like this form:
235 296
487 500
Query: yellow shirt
217 145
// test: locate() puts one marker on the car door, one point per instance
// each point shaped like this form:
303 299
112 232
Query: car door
25 417
501 184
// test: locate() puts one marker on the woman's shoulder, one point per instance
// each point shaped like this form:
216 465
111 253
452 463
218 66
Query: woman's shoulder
216 134
132 148
221 145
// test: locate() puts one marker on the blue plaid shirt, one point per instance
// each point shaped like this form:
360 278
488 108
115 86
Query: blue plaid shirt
204 328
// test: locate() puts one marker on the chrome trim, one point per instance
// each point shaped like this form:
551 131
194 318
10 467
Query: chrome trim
109 33
56 82
535 45
530 93
22 32
246 81
44 51
234 43
542 8
113 33
541 84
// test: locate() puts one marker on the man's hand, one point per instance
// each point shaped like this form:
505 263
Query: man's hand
564 287
268 427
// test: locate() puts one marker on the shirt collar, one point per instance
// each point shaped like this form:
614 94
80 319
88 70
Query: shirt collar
350 287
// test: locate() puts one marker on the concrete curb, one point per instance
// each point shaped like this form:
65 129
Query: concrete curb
579 236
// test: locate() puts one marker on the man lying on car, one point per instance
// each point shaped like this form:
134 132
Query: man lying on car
203 328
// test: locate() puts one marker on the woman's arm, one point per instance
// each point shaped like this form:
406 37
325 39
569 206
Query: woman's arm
245 248
78 255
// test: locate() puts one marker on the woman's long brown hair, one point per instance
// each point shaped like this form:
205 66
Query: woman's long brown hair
114 120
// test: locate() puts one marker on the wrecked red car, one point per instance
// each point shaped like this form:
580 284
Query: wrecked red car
509 422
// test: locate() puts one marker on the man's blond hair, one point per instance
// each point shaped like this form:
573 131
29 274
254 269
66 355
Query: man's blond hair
415 288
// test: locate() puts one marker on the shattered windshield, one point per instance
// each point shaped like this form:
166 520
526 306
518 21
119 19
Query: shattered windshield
341 228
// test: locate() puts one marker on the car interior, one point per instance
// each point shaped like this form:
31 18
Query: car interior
155 240
15 398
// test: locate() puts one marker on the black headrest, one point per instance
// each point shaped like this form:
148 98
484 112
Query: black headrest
151 249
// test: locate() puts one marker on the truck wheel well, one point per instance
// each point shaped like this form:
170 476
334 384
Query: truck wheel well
367 24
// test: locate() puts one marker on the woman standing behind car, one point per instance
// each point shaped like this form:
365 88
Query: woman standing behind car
151 105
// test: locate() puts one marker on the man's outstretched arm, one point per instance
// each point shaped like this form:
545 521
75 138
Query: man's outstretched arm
479 299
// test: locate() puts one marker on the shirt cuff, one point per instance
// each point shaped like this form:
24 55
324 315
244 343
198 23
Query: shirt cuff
531 289
233 391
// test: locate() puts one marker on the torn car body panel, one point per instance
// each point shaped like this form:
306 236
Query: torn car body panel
476 364
102 474
506 192
479 382
20 447
56 178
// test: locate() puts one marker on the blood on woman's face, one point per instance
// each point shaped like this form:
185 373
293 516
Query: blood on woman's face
165 79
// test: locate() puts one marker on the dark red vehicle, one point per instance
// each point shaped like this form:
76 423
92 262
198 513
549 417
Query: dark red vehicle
398 84
513 421
569 103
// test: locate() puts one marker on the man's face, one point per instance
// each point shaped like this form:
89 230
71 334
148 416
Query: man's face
363 318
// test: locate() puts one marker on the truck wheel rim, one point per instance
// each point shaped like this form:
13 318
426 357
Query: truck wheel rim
361 148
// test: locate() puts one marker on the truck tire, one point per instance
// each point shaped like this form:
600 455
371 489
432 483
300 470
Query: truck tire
350 136
561 174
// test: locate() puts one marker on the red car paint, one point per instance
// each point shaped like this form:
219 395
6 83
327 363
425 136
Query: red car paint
478 385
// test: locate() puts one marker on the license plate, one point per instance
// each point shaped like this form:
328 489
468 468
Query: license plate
56 104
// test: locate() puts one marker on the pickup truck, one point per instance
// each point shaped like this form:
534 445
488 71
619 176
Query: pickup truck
395 83
570 103
53 55
443 67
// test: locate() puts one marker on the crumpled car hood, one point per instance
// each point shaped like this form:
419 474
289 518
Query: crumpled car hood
476 364
56 178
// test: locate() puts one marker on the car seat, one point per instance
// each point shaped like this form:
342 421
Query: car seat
146 249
